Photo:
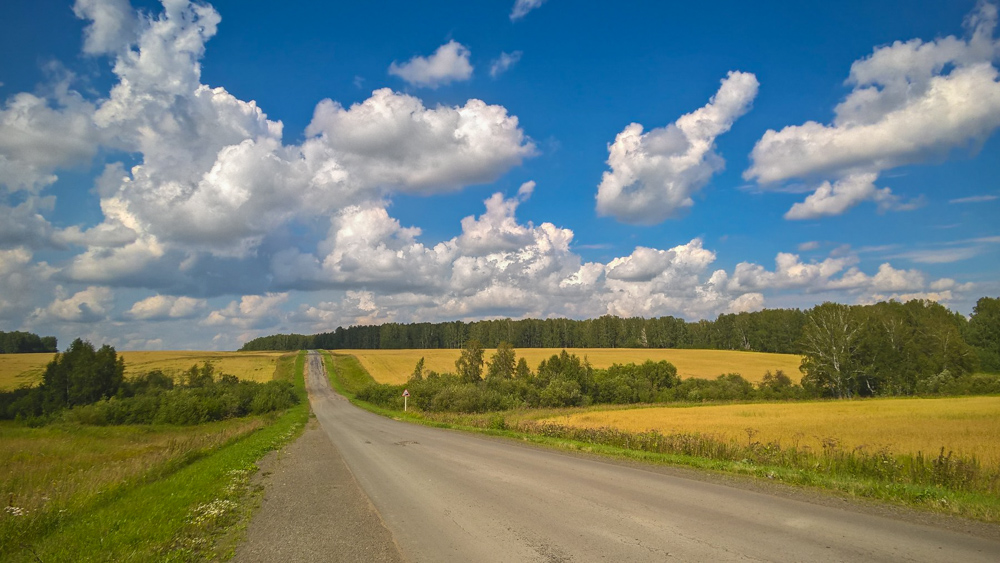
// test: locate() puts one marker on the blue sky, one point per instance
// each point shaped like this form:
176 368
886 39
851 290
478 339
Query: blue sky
192 175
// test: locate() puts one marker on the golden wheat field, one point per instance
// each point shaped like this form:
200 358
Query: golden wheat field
26 369
395 366
966 425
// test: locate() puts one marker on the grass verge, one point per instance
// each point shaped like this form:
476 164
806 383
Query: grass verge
838 476
190 505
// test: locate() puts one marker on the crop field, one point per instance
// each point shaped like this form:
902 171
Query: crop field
967 426
27 369
395 366
18 370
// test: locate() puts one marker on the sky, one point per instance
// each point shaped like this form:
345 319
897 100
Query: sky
186 175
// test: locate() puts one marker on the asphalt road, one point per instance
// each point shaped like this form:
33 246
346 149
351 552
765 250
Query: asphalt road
452 496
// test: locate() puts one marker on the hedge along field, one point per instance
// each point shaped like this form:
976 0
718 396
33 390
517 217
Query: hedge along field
967 426
395 366
27 369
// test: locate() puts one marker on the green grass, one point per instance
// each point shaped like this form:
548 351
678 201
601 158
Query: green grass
518 425
351 375
191 507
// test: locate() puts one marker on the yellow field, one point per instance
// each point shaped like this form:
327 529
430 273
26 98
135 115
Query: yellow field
966 425
17 370
26 369
395 366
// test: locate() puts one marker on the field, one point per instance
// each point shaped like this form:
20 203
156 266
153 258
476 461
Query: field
26 369
968 426
75 492
395 366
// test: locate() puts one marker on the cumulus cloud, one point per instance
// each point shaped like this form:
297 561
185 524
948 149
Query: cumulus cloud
449 63
522 7
392 141
654 174
911 102
163 307
113 24
90 305
836 198
214 175
504 62
39 135
251 311
20 280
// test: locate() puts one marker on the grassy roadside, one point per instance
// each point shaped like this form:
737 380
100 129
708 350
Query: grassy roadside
348 376
192 505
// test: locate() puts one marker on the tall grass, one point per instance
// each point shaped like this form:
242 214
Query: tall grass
135 493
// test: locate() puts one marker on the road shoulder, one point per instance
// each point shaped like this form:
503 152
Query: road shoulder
314 510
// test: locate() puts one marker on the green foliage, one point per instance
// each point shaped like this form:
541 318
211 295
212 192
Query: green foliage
469 365
503 362
774 330
87 386
881 349
18 342
984 333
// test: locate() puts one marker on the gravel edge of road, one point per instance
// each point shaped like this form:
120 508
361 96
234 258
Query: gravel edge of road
313 509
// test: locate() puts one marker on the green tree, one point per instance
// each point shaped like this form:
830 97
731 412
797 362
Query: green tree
984 332
418 371
502 364
469 366
522 371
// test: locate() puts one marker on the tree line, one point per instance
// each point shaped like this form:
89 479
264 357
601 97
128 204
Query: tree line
88 385
770 330
18 342
884 348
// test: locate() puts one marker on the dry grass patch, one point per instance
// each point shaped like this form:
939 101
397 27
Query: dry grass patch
968 426
395 366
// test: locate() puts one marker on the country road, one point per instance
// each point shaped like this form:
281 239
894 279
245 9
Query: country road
451 496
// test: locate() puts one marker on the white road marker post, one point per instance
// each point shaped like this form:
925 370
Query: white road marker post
406 396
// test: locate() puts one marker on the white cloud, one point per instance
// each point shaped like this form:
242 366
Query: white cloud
834 199
392 141
36 138
250 312
113 24
912 102
504 62
90 305
522 7
654 174
808 246
975 199
21 281
162 307
449 63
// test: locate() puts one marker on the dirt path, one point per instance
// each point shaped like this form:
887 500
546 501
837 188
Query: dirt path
313 510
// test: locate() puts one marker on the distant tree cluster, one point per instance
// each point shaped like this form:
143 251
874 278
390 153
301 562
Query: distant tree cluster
563 380
88 385
770 330
18 342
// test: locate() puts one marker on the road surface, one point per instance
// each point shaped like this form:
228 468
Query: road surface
451 496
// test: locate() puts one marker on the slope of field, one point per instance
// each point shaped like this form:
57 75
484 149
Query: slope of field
395 366
968 426
18 370
27 369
